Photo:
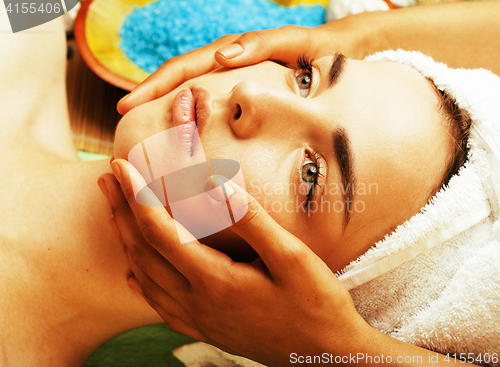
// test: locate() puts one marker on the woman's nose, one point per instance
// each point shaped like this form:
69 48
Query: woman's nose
250 106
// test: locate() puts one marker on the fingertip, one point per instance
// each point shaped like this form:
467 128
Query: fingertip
227 195
137 96
214 187
221 60
217 198
134 175
122 103
231 51
102 177
108 185
121 166
127 103
102 186
134 185
122 110
237 62
116 167
238 200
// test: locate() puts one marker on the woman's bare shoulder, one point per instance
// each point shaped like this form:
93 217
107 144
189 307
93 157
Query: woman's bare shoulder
32 88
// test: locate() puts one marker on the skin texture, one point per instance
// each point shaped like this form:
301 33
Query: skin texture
388 112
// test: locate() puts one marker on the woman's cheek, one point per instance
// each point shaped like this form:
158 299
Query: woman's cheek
125 138
141 123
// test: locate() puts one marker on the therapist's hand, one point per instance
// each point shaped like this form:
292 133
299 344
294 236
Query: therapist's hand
283 44
288 301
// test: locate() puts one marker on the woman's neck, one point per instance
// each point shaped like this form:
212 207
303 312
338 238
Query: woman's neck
64 288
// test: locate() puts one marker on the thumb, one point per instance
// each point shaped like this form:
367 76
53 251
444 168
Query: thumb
278 249
282 44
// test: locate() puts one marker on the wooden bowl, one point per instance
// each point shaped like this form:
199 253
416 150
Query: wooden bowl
96 33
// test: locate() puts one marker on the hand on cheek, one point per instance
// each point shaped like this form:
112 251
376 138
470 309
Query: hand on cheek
286 302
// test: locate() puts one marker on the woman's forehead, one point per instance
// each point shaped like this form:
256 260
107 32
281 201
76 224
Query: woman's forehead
399 141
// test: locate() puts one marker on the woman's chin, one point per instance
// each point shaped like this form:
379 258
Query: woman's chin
140 123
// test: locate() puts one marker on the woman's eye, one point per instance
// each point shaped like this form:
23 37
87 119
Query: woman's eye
309 172
304 81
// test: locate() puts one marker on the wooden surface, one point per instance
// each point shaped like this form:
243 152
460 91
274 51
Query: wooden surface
92 106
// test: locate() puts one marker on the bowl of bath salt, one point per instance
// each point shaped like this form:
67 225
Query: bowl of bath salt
123 41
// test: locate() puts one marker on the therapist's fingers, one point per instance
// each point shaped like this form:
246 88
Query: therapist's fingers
153 293
173 73
144 260
139 252
175 323
162 232
283 44
283 254
176 315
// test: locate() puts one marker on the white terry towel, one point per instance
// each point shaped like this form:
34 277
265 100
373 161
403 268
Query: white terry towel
435 281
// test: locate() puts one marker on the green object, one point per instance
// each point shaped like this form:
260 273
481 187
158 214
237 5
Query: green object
87 156
148 346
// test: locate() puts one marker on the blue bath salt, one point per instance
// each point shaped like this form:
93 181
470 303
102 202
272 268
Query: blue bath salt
152 34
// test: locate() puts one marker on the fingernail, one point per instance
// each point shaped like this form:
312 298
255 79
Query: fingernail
231 51
117 171
136 178
229 190
134 284
222 190
112 222
111 159
102 186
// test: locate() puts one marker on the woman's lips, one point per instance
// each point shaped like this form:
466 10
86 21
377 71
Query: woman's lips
190 109
183 117
202 103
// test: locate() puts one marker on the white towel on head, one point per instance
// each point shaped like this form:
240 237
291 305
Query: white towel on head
435 281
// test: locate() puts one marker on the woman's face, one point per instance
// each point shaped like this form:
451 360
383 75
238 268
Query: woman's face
366 135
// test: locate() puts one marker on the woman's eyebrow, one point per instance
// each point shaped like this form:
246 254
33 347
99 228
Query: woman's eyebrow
343 155
336 69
